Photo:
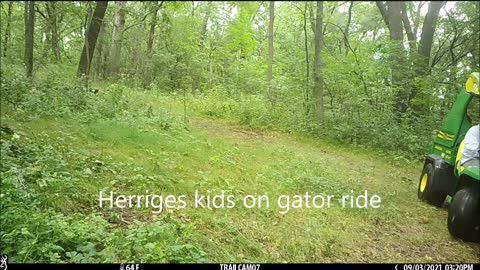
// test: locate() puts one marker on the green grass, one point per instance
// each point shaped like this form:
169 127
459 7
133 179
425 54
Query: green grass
77 160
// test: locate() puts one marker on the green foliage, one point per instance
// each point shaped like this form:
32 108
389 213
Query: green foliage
47 190
211 58
248 109
240 33
14 86
351 123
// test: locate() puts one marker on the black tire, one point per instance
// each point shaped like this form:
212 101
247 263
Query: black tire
464 215
426 186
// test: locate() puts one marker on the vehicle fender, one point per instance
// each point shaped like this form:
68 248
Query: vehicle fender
445 179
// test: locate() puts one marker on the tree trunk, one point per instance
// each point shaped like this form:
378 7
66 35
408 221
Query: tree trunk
7 28
91 38
52 18
318 76
270 45
210 70
151 33
116 49
25 17
395 21
203 31
416 19
475 61
47 44
307 104
347 28
392 16
99 63
474 51
408 28
425 47
396 55
29 26
426 40
383 12
88 16
147 67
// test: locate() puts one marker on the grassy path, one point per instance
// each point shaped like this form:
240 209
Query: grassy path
403 229
216 155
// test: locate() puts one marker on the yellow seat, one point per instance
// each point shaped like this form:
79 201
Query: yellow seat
458 166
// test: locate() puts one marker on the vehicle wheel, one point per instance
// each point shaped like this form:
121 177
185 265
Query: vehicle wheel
426 190
464 215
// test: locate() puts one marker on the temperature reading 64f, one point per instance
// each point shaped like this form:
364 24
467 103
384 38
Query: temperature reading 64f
132 267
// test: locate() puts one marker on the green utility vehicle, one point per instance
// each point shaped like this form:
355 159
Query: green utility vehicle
443 174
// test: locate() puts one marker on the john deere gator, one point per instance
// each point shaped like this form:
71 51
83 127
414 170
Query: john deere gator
444 177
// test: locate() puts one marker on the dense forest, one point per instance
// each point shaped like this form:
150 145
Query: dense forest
264 96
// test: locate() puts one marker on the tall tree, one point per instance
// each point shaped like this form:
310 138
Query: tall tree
416 18
7 28
408 28
306 99
146 70
270 44
91 38
474 49
422 62
29 27
428 29
46 31
347 29
88 16
99 56
52 20
116 49
392 16
153 24
318 72
206 18
394 9
203 41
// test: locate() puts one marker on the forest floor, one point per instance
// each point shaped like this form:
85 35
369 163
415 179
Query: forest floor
217 155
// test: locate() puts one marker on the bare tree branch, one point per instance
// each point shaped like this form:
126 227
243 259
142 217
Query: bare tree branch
135 24
41 13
